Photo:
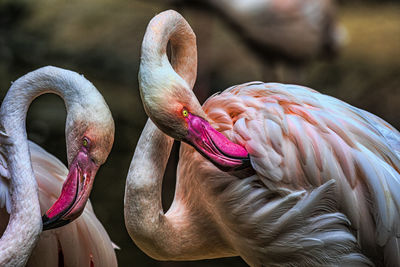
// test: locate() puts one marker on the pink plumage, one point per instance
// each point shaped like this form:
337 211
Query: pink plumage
323 186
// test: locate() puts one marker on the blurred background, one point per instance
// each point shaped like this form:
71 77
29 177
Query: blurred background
347 49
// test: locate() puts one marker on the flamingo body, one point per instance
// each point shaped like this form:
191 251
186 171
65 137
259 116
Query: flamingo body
298 139
323 186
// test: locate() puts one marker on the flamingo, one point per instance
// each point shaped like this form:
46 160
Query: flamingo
26 170
278 174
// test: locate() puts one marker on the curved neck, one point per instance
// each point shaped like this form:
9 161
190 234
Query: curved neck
144 216
25 223
169 26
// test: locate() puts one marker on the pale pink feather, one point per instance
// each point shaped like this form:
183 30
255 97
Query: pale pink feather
299 139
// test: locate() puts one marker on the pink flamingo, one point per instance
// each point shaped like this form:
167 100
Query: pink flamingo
280 175
24 166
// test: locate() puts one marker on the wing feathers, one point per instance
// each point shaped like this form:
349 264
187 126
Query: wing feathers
299 139
301 228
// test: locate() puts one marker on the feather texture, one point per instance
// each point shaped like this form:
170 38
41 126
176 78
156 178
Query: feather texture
323 188
300 139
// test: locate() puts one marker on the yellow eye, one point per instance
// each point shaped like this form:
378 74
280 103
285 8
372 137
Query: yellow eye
185 113
85 142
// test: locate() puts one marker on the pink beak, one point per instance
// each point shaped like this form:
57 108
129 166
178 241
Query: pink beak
213 145
74 194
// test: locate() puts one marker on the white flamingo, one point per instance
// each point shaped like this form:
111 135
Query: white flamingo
89 137
308 180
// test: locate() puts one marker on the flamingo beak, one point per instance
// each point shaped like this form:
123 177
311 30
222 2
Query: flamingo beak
214 146
74 194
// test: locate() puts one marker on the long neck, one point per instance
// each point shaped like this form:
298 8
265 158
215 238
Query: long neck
25 224
162 236
144 216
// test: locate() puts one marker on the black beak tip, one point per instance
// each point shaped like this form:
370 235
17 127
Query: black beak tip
53 223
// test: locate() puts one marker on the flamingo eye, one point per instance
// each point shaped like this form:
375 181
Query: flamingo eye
185 113
85 142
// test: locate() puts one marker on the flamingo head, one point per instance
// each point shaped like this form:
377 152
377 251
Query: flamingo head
176 111
165 87
89 135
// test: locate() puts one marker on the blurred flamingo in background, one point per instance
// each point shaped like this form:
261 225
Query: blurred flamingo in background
24 166
278 174
293 32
